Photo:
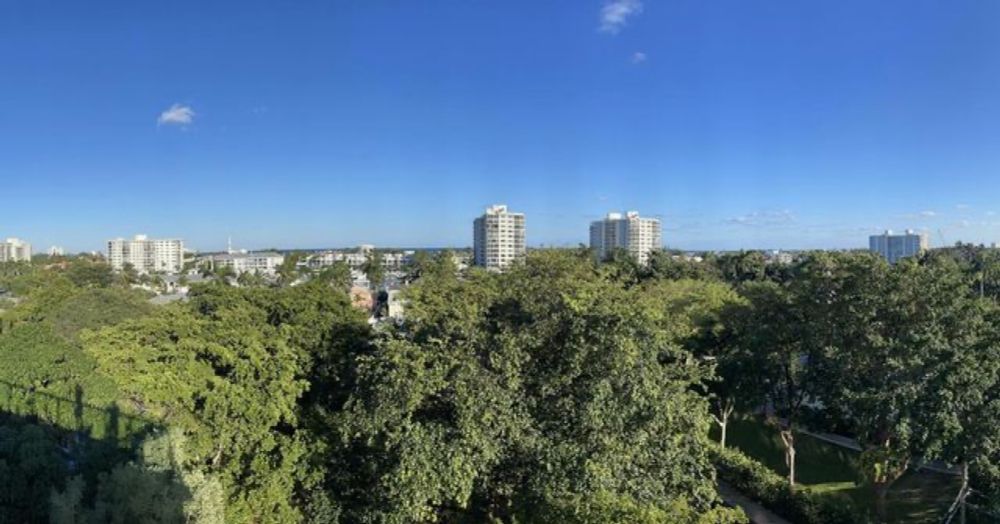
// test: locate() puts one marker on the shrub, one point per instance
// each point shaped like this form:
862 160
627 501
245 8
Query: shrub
758 482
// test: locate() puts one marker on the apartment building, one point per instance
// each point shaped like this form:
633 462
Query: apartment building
147 255
498 238
895 247
15 250
265 262
636 235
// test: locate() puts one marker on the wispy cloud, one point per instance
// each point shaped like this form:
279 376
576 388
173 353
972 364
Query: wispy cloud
922 214
638 57
962 207
178 114
615 14
764 219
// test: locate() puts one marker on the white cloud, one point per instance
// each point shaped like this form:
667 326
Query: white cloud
962 207
922 215
638 57
615 14
177 115
764 219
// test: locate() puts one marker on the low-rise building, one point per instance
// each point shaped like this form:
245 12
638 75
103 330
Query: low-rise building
391 260
264 262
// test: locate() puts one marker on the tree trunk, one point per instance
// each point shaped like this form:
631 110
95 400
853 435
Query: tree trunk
965 491
788 439
881 494
725 411
884 483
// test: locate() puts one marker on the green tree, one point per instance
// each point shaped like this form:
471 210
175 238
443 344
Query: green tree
744 266
906 353
697 312
437 265
95 308
288 271
230 369
675 266
84 272
223 273
765 335
160 487
129 276
337 275
30 466
621 266
373 269
509 392
250 279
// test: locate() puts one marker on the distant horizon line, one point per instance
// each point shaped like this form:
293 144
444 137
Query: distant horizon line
470 248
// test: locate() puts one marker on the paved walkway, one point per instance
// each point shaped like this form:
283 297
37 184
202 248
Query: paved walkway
936 466
758 514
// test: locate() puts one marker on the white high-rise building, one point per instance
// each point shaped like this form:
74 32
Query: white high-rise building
15 250
636 235
147 255
894 247
498 238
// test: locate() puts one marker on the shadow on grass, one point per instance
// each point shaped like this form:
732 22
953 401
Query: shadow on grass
831 470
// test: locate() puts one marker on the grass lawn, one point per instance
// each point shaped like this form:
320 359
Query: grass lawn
826 468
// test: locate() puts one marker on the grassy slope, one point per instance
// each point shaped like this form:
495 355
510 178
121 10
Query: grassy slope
825 468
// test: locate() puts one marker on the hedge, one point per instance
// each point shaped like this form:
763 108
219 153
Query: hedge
770 490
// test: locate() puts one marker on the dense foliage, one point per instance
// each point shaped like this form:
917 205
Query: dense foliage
544 387
561 390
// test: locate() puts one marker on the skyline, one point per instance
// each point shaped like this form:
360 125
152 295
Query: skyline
783 126
611 215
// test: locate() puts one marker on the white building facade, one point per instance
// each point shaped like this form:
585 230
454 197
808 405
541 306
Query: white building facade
498 238
264 263
15 250
895 247
390 260
636 235
147 255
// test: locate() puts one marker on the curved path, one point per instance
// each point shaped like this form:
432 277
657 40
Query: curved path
758 514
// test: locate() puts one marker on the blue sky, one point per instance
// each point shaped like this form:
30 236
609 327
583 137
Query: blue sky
763 124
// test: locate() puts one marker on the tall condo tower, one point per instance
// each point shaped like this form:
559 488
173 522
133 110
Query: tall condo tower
498 238
636 235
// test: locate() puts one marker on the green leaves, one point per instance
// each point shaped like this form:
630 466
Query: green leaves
548 381
231 369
